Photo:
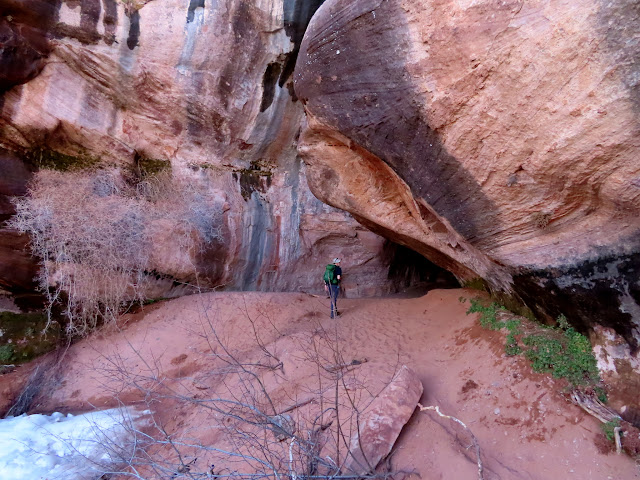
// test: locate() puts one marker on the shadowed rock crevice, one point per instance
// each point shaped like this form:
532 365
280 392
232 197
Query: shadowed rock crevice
269 80
297 15
134 30
599 291
191 11
89 14
18 268
411 270
25 27
110 20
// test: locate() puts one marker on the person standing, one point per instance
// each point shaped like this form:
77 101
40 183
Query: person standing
332 277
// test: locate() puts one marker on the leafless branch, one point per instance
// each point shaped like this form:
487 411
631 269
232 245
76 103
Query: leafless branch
473 437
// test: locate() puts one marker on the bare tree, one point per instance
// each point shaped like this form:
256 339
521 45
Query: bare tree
248 427
93 232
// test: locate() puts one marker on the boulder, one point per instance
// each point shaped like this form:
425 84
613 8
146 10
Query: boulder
499 139
381 423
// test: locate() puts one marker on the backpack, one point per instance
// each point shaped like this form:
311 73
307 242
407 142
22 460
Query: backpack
330 274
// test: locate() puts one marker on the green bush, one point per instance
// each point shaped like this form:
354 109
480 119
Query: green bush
512 348
609 427
568 355
6 354
488 314
561 351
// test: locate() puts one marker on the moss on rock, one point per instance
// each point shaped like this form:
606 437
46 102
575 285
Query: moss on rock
54 160
23 336
151 166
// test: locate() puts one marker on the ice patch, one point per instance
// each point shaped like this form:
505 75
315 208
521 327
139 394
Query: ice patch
65 447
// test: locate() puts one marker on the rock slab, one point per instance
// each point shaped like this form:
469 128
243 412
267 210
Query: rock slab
382 422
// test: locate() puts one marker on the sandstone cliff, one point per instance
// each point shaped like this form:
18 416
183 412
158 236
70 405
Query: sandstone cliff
499 139
200 91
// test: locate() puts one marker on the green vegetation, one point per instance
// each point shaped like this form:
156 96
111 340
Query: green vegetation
601 394
512 348
202 166
476 284
24 336
151 166
256 178
561 351
488 314
151 301
508 302
513 304
489 319
564 353
6 354
609 427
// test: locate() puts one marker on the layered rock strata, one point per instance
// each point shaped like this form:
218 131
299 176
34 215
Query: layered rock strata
499 139
200 91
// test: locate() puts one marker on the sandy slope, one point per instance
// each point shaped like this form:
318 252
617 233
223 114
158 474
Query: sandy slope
525 427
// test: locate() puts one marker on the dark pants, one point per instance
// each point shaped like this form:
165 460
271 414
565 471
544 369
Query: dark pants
334 290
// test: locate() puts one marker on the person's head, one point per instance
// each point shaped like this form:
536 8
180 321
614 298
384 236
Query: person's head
336 261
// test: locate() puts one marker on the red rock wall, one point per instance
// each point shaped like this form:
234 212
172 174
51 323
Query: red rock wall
205 90
499 139
25 29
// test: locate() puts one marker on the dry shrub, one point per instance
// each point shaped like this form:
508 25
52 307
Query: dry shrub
248 415
91 231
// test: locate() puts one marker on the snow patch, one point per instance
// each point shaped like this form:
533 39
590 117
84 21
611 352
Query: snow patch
65 447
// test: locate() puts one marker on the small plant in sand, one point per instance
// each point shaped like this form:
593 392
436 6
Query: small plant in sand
561 351
609 427
6 353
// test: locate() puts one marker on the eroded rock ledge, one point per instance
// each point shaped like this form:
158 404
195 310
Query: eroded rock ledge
198 91
499 139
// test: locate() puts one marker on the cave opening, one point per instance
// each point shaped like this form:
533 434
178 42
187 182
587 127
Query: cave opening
413 275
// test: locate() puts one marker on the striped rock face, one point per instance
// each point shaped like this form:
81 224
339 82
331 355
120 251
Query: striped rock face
200 91
499 139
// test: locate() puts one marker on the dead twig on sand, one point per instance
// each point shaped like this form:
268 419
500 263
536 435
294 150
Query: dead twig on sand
297 405
593 406
436 409
616 435
340 366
